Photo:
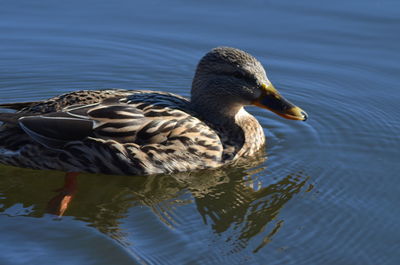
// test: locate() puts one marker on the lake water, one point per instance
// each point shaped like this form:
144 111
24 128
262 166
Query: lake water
325 191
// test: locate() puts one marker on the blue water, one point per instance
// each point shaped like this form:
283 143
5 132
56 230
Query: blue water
324 192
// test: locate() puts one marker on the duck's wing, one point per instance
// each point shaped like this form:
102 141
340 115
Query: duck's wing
142 134
63 118
143 118
58 103
77 122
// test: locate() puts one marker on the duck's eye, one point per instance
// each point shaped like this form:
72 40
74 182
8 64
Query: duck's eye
243 76
238 75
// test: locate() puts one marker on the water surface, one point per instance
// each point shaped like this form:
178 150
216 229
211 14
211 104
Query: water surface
322 192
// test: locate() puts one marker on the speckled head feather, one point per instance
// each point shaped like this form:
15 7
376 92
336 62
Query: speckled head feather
228 56
228 79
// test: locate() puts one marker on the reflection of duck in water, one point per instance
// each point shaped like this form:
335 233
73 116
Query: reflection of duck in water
226 199
147 132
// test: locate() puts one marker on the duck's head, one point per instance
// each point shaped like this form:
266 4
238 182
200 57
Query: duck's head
227 79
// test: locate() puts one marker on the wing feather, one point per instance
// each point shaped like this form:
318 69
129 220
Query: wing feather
55 132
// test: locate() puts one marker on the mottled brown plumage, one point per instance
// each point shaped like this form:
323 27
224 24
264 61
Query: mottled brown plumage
138 132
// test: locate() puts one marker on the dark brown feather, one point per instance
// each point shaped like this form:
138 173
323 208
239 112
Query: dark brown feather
54 132
11 118
18 105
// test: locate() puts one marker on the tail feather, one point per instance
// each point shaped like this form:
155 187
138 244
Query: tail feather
9 117
18 105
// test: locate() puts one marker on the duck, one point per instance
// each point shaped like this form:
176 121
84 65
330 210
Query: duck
143 132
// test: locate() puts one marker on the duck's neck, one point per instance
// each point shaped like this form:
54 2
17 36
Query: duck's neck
240 131
253 132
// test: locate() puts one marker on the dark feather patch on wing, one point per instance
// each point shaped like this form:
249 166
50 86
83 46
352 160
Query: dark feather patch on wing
54 132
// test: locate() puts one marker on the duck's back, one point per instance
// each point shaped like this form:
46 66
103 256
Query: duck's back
110 131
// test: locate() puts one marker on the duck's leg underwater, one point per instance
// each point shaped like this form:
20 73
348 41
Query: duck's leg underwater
59 204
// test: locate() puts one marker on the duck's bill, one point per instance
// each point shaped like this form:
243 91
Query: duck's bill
271 99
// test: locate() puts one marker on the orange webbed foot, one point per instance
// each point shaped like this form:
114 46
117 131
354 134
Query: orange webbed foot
59 204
